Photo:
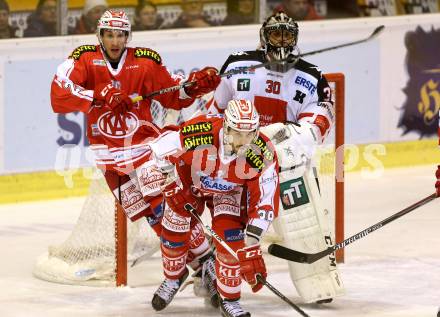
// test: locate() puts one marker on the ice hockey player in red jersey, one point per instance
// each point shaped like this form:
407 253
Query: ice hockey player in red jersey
226 160
101 80
287 92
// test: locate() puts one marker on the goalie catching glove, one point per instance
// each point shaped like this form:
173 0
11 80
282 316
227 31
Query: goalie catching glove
203 82
252 263
118 101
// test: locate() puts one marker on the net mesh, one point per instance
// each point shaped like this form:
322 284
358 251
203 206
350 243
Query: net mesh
87 256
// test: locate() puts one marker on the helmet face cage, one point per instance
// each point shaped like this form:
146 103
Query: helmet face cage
282 23
115 21
240 116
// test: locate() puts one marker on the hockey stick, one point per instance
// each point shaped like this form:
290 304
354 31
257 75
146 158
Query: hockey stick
260 279
375 33
289 59
302 257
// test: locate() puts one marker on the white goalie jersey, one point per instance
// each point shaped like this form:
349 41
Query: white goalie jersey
297 94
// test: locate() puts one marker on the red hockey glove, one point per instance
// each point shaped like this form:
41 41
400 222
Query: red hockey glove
176 197
437 184
205 80
251 264
116 99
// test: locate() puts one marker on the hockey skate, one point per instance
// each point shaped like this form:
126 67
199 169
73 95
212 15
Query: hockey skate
166 292
205 280
232 308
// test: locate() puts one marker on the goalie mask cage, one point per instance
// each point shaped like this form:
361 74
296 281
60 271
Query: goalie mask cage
103 242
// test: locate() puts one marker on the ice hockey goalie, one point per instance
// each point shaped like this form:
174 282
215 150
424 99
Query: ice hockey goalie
303 223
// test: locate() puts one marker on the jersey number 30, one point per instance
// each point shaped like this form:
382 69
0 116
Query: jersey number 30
273 87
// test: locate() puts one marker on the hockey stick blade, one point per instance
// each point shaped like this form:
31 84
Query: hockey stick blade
375 33
296 256
302 257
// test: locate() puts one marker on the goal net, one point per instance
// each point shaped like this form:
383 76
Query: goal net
103 243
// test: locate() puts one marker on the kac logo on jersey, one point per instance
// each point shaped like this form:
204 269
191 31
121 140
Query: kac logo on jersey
117 126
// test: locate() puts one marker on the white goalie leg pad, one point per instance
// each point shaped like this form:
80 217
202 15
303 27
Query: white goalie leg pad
305 226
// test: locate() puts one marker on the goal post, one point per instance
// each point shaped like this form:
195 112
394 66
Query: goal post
100 245
337 83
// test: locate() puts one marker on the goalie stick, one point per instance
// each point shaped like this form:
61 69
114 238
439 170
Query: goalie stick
260 279
302 257
289 59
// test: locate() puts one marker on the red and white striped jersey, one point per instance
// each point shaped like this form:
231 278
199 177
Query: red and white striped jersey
198 153
298 94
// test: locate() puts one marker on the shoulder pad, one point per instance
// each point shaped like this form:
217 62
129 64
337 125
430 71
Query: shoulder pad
142 52
308 68
77 52
257 56
265 153
196 128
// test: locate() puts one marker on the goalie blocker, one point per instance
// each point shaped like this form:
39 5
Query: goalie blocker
303 222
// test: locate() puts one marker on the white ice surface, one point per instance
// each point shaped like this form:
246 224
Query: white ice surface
393 272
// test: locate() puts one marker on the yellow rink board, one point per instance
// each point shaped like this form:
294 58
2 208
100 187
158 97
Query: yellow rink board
50 185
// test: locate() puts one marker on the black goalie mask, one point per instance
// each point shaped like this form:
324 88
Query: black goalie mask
278 36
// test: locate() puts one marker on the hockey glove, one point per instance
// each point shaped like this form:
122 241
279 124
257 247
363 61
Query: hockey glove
116 99
437 184
176 197
204 81
251 264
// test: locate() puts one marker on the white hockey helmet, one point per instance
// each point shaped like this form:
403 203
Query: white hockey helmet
240 125
241 115
279 36
114 20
